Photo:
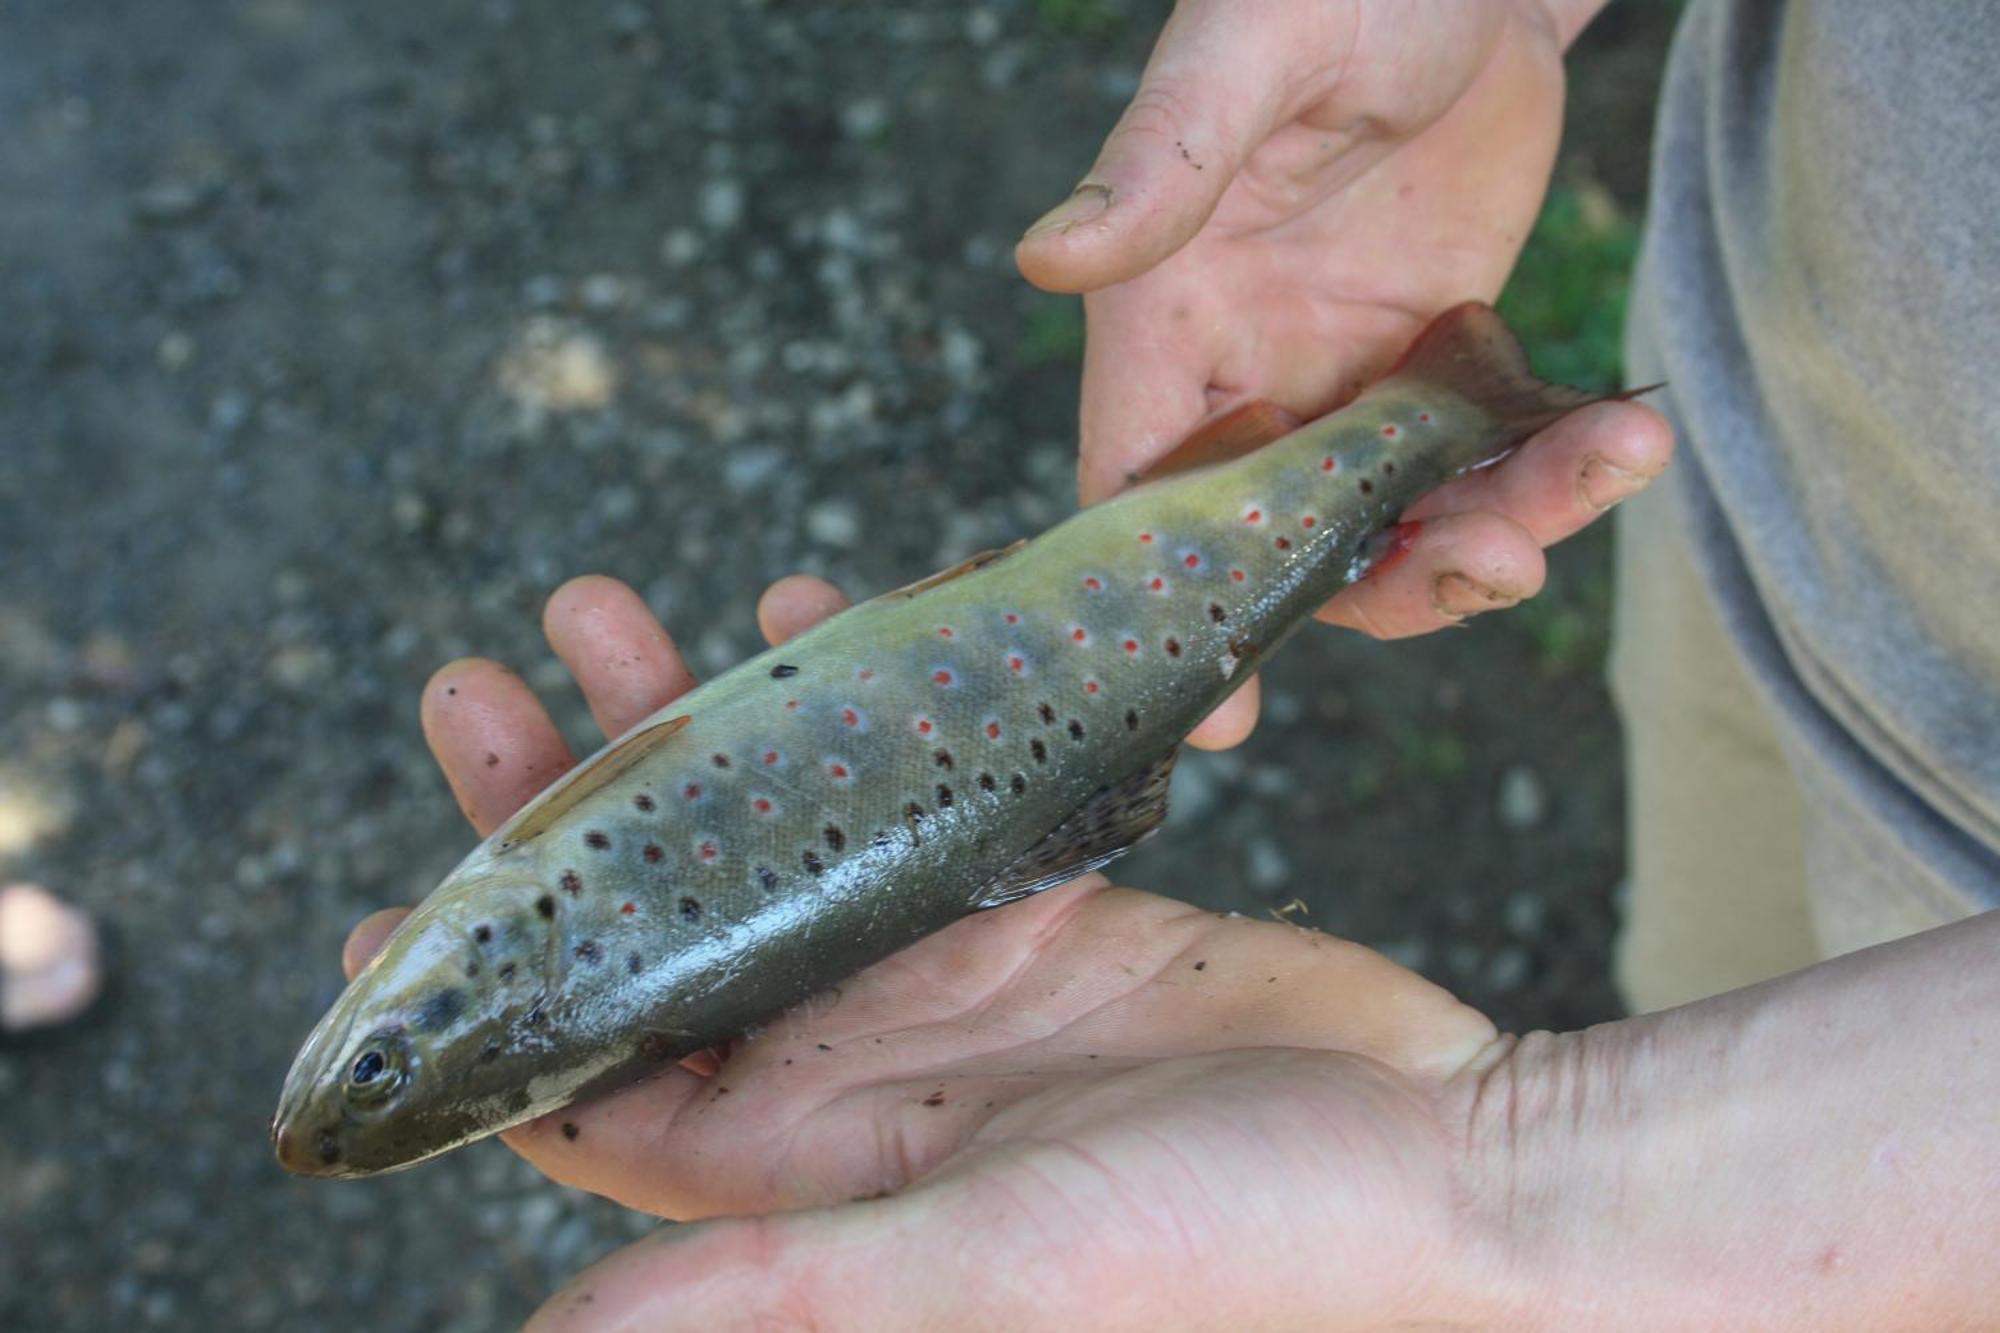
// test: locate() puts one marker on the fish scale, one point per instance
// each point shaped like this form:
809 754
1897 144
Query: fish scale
944 748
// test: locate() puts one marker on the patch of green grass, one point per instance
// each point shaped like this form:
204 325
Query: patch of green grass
1054 332
1567 295
1569 626
1433 755
1078 18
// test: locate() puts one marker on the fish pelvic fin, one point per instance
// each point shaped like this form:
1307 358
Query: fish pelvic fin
1102 829
1470 353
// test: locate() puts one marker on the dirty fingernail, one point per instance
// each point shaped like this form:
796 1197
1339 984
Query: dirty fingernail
1086 204
1457 596
1603 484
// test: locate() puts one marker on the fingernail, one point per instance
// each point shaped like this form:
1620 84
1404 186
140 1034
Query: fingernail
1603 484
1086 204
1457 596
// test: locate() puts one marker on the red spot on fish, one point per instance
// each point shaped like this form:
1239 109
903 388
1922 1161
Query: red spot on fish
1146 537
1254 516
838 771
1079 633
653 853
1091 685
707 851
849 718
1238 575
762 805
866 673
1391 431
925 726
770 757
791 705
944 631
942 676
1329 463
629 908
1424 417
1094 583
1191 560
1283 544
1017 664
1158 584
1131 646
692 791
1397 548
1012 618
993 731
1308 522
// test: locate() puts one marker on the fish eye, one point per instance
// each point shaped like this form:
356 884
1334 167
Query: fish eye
379 1070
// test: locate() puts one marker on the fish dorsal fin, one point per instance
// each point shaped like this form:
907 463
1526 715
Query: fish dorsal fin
957 571
1469 351
540 814
1104 828
1242 429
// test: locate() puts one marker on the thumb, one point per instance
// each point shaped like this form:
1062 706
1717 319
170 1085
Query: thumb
1214 89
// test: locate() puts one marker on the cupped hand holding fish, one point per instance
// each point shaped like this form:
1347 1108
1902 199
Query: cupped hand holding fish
1296 187
1086 1110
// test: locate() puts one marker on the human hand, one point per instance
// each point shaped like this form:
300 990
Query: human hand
1295 189
1095 1107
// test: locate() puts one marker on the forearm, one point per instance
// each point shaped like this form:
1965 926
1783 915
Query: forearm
1819 1152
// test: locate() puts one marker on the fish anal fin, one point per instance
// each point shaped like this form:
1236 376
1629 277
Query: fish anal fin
958 571
1243 429
1104 828
540 814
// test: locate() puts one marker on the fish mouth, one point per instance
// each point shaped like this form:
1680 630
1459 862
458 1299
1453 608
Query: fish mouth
302 1149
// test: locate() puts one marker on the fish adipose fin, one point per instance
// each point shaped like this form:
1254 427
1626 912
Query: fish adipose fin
959 570
1107 826
536 817
1243 429
1469 351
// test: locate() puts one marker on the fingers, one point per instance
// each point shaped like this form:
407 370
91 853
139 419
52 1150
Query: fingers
795 604
1232 721
492 738
1455 566
369 935
1145 380
1568 475
624 661
1215 87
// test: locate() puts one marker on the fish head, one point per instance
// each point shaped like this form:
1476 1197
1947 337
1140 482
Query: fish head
424 1050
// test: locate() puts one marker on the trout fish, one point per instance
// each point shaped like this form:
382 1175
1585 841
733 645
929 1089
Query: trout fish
956 745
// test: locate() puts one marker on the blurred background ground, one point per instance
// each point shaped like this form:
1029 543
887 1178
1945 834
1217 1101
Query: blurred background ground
336 336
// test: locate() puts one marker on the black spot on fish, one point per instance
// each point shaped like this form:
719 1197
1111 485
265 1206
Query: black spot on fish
653 853
942 758
1048 715
1216 613
913 811
327 1143
783 672
506 970
834 837
1388 468
1131 720
517 1100
813 864
644 802
633 965
439 1010
588 951
535 1017
546 905
472 969
943 795
767 877
1075 730
1367 486
690 909
490 1054
986 782
596 840
571 882
1018 783
570 1131
483 934
656 1046
1173 647
1240 646
719 760
1039 750
882 838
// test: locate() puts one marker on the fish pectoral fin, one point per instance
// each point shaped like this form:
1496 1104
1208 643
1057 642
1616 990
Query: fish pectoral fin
959 570
1243 429
1103 829
607 766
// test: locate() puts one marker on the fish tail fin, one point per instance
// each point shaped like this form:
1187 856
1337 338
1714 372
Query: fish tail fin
1470 353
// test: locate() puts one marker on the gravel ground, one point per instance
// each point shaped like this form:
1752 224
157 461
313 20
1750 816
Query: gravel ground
337 336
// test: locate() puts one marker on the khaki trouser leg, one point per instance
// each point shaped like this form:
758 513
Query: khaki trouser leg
1715 826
